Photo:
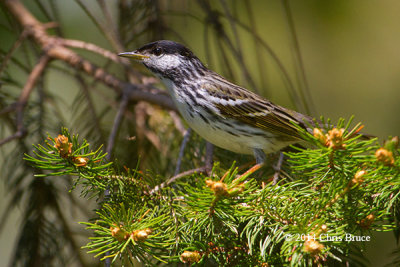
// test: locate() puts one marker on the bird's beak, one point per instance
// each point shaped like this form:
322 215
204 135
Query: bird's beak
134 55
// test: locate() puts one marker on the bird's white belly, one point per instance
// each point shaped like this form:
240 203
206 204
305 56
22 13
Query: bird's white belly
227 134
220 138
230 135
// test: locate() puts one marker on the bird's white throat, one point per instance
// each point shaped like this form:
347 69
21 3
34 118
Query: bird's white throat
164 62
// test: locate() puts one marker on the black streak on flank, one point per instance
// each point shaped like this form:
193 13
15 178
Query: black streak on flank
204 118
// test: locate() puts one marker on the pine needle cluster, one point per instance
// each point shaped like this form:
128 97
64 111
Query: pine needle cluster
330 198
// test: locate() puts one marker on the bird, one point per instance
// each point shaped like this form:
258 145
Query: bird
223 113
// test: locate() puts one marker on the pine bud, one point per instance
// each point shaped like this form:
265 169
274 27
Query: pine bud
141 235
313 247
190 256
320 136
384 156
63 146
119 233
80 161
219 188
358 178
335 138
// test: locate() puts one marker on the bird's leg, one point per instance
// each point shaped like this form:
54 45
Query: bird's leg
277 168
260 156
260 161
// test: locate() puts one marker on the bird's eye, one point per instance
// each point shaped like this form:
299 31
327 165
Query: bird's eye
157 51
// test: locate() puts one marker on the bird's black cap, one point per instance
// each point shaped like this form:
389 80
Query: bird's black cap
166 47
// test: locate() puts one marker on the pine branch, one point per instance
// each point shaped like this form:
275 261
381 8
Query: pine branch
343 188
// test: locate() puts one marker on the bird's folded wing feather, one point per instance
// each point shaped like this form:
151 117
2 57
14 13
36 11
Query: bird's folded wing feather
242 105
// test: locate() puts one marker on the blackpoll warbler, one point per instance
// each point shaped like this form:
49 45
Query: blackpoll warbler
223 113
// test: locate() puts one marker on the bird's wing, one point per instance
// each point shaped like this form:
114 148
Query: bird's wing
237 103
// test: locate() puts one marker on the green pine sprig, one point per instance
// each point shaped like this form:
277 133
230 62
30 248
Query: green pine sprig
73 159
342 186
137 231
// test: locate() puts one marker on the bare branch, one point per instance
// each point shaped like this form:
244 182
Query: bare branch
93 48
16 135
177 177
29 85
54 47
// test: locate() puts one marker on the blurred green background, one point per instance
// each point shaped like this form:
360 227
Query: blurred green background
349 48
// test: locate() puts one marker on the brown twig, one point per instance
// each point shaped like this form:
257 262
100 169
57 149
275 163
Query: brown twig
16 135
101 51
93 48
29 85
177 177
54 47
